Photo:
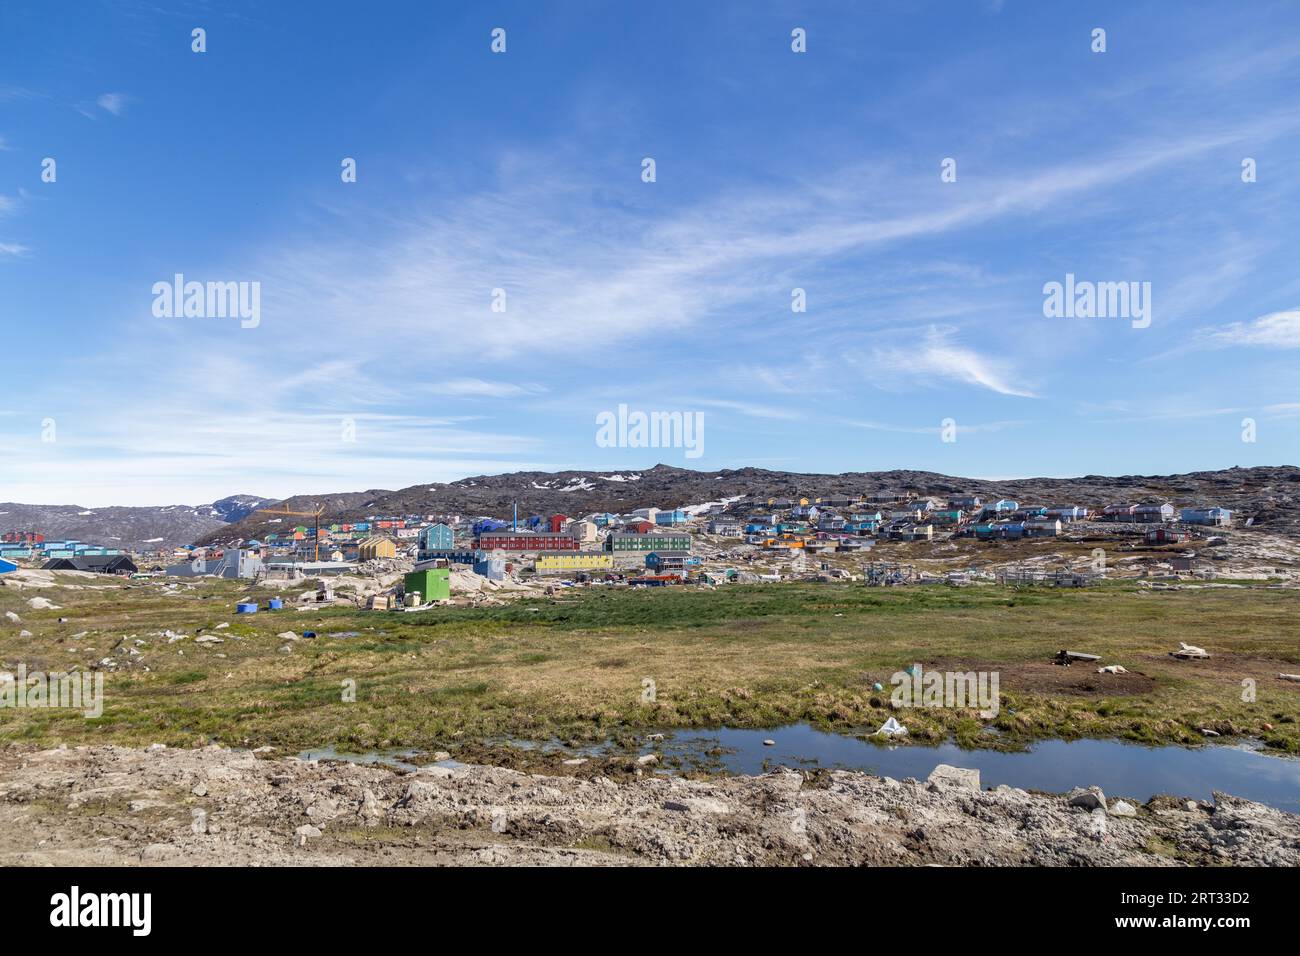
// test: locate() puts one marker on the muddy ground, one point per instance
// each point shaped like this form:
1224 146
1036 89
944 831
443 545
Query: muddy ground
106 805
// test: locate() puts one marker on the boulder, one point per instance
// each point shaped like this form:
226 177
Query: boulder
946 776
1090 798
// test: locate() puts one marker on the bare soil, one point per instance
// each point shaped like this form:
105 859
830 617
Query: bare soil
211 806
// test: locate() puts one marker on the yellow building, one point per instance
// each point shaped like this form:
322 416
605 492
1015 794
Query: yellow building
552 562
376 547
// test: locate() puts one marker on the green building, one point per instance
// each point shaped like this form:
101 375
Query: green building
624 541
433 584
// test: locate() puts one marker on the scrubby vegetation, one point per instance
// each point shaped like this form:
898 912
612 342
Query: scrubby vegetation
573 667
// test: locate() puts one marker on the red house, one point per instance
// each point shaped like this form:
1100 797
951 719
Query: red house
558 522
507 540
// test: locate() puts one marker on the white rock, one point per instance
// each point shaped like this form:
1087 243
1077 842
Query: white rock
944 775
1122 808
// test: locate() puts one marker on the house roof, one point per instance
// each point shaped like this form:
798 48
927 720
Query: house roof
91 562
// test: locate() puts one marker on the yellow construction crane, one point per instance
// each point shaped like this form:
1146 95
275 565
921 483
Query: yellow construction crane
301 514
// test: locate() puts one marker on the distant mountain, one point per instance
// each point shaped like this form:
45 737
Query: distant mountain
132 529
236 507
1270 494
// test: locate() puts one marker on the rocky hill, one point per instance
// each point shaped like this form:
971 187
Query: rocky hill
1269 494
132 529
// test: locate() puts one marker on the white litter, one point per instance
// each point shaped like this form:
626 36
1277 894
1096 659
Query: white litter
891 728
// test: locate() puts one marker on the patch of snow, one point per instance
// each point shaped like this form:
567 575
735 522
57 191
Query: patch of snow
152 540
697 510
630 477
84 513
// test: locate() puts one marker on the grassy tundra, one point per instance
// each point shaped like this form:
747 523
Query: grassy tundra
572 667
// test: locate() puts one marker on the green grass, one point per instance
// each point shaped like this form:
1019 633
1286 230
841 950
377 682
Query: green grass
572 667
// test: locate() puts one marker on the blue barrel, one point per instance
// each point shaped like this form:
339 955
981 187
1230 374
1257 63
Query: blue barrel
247 608
275 604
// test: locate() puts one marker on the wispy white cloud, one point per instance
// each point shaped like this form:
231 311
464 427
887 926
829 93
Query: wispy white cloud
1278 330
574 270
114 103
935 356
931 429
480 388
750 409
159 453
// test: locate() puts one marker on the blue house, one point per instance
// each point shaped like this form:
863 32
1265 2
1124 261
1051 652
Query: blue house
437 537
999 529
1211 516
671 562
674 517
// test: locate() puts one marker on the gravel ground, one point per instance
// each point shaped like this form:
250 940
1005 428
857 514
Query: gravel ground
109 805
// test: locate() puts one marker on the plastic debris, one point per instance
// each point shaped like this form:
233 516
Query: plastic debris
891 728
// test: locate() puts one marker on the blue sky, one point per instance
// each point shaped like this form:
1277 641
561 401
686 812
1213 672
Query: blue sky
522 171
